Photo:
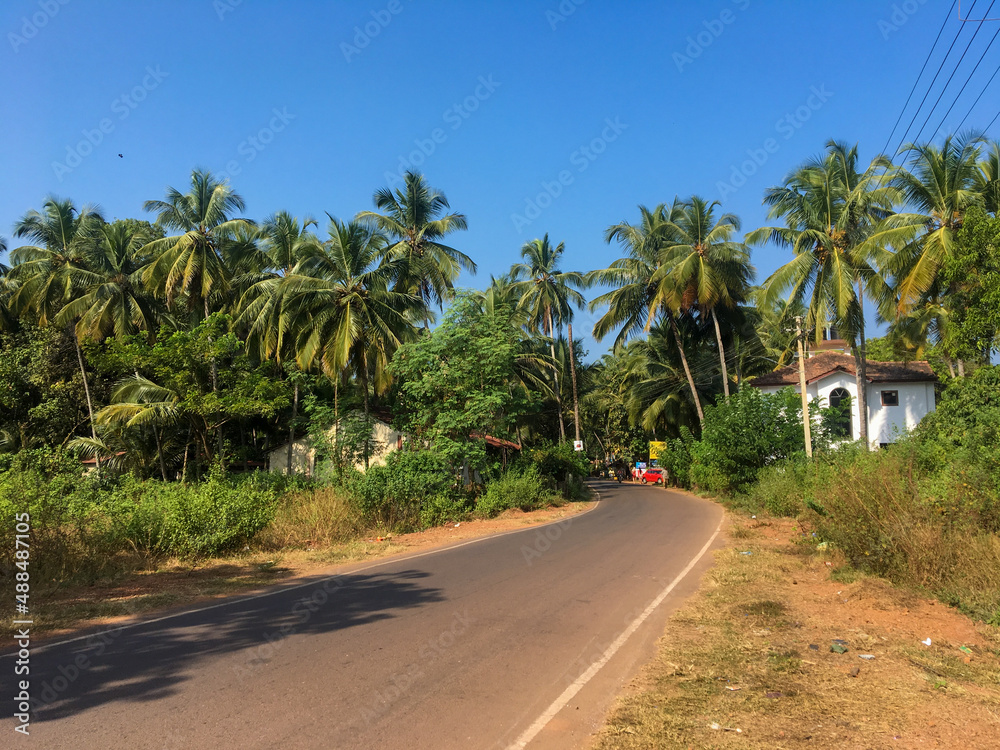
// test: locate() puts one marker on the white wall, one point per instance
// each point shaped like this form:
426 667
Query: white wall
384 441
885 423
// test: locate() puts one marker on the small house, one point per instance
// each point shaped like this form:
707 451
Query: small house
899 393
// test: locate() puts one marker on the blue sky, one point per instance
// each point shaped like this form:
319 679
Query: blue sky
532 117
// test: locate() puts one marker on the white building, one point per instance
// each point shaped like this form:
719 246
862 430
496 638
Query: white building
899 393
385 439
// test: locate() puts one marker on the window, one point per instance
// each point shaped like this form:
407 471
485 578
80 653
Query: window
840 423
890 398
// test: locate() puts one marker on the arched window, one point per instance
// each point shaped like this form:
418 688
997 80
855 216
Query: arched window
841 420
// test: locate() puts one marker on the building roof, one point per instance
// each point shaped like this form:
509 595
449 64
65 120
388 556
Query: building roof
827 363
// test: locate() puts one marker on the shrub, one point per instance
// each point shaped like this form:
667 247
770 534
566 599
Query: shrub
392 496
559 461
518 488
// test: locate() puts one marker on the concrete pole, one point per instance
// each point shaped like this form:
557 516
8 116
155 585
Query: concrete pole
802 386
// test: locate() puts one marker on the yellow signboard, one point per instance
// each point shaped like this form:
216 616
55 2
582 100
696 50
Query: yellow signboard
655 449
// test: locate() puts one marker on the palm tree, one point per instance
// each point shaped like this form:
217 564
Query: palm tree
831 212
642 290
43 274
940 185
548 296
707 269
284 242
193 265
342 311
988 178
414 219
109 296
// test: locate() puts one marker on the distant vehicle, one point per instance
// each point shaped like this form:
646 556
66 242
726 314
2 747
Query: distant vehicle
652 476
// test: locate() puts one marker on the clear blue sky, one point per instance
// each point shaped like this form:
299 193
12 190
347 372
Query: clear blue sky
505 96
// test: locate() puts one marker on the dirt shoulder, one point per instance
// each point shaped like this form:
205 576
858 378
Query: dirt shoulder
751 661
178 583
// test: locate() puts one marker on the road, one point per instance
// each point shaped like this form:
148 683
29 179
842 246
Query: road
478 645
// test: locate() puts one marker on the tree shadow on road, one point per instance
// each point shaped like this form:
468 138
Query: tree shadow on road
150 662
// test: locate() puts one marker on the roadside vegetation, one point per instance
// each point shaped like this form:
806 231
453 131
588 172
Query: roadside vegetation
150 369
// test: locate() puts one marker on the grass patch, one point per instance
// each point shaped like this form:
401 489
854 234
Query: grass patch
752 651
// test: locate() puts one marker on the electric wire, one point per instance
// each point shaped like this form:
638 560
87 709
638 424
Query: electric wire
962 90
933 81
960 124
953 72
919 76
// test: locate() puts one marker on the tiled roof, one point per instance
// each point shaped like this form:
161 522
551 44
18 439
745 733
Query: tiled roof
826 363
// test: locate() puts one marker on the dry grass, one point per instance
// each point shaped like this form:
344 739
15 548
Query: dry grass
312 518
739 656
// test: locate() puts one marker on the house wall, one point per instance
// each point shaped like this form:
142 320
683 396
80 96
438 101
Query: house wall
384 441
885 423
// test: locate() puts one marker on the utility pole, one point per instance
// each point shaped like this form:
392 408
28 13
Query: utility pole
802 386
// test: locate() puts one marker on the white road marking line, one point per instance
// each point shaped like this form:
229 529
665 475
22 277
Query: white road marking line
286 589
567 695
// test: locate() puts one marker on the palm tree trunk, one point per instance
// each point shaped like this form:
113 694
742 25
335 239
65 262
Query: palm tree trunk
336 424
687 370
215 367
291 429
555 375
861 378
159 453
722 354
576 399
184 464
86 391
364 384
961 368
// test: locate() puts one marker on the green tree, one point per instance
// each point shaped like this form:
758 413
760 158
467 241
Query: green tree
455 383
641 286
414 219
548 296
343 311
45 272
831 211
193 265
972 274
708 269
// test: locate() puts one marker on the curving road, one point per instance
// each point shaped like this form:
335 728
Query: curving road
516 640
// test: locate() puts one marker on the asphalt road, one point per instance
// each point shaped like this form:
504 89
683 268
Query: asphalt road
475 646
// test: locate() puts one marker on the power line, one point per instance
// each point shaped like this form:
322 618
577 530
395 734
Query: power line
919 75
962 90
993 121
978 98
933 81
957 65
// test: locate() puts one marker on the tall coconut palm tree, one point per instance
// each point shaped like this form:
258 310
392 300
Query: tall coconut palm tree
939 185
193 265
642 289
44 273
413 218
831 211
109 296
548 296
343 311
988 178
706 268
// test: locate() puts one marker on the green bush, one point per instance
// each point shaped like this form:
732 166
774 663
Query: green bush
559 461
393 496
518 488
780 489
82 524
